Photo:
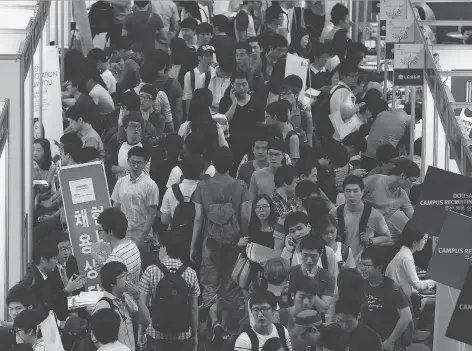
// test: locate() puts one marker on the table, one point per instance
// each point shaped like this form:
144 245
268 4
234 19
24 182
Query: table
455 35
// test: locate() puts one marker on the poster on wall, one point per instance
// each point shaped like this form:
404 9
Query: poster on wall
408 65
52 106
397 32
461 320
454 249
85 195
441 191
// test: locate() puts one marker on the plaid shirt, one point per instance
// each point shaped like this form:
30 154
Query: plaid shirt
283 207
147 286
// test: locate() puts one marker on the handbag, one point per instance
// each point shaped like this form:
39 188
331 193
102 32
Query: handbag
343 128
241 271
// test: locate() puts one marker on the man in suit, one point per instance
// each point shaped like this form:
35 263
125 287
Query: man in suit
66 270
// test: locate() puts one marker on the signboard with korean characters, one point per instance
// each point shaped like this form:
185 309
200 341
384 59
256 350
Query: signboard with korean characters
408 65
85 196
399 31
453 251
391 10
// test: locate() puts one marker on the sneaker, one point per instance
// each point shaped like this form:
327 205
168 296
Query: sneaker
219 335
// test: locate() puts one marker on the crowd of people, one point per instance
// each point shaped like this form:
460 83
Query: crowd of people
243 216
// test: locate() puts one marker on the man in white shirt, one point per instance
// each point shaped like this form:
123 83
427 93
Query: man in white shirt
339 20
287 9
263 306
192 169
200 76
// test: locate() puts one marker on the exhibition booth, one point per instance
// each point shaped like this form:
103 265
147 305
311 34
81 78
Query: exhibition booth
31 93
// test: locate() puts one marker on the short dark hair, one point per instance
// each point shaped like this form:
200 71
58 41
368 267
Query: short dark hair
149 89
280 109
130 100
195 143
410 235
285 175
339 13
141 3
323 222
28 320
333 337
238 75
350 307
135 116
97 55
74 151
385 153
294 218
175 248
336 153
227 64
305 284
223 159
222 23
71 138
403 165
356 140
46 248
138 151
192 166
244 45
109 272
354 180
263 296
148 74
105 325
253 39
312 242
276 144
113 221
23 294
190 23
306 188
305 166
347 67
89 153
375 254
59 236
204 28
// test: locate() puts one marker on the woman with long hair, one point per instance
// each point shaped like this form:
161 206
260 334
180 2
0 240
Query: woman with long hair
302 45
262 222
43 167
201 122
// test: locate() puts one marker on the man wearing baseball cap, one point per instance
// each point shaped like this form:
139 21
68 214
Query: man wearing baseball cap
200 76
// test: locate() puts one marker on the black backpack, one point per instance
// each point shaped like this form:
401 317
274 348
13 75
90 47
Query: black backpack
255 341
171 299
192 79
100 18
182 221
362 223
320 111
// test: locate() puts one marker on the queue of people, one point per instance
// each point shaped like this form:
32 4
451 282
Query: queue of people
243 217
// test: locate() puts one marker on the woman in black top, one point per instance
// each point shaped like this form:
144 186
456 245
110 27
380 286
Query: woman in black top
263 219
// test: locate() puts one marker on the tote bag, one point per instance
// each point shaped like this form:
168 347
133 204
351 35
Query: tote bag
343 128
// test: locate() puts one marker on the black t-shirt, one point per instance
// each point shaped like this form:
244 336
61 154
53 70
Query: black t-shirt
263 238
360 339
225 46
243 122
383 303
324 281
314 23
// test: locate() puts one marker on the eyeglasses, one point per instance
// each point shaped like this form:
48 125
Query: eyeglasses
264 310
136 163
66 248
145 97
365 265
272 154
412 179
261 208
135 126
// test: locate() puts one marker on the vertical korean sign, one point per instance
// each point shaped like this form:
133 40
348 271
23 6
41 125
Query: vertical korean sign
408 64
391 10
85 196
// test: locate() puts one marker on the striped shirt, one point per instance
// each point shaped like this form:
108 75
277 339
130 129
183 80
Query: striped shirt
128 254
135 197
148 284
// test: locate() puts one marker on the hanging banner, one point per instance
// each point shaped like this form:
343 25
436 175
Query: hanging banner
461 320
297 66
52 105
441 191
454 249
408 65
85 196
393 9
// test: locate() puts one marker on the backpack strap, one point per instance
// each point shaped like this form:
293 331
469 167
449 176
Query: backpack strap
178 193
287 139
324 260
112 306
253 337
181 269
284 316
365 217
207 79
341 223
162 267
192 79
344 252
281 332
339 86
